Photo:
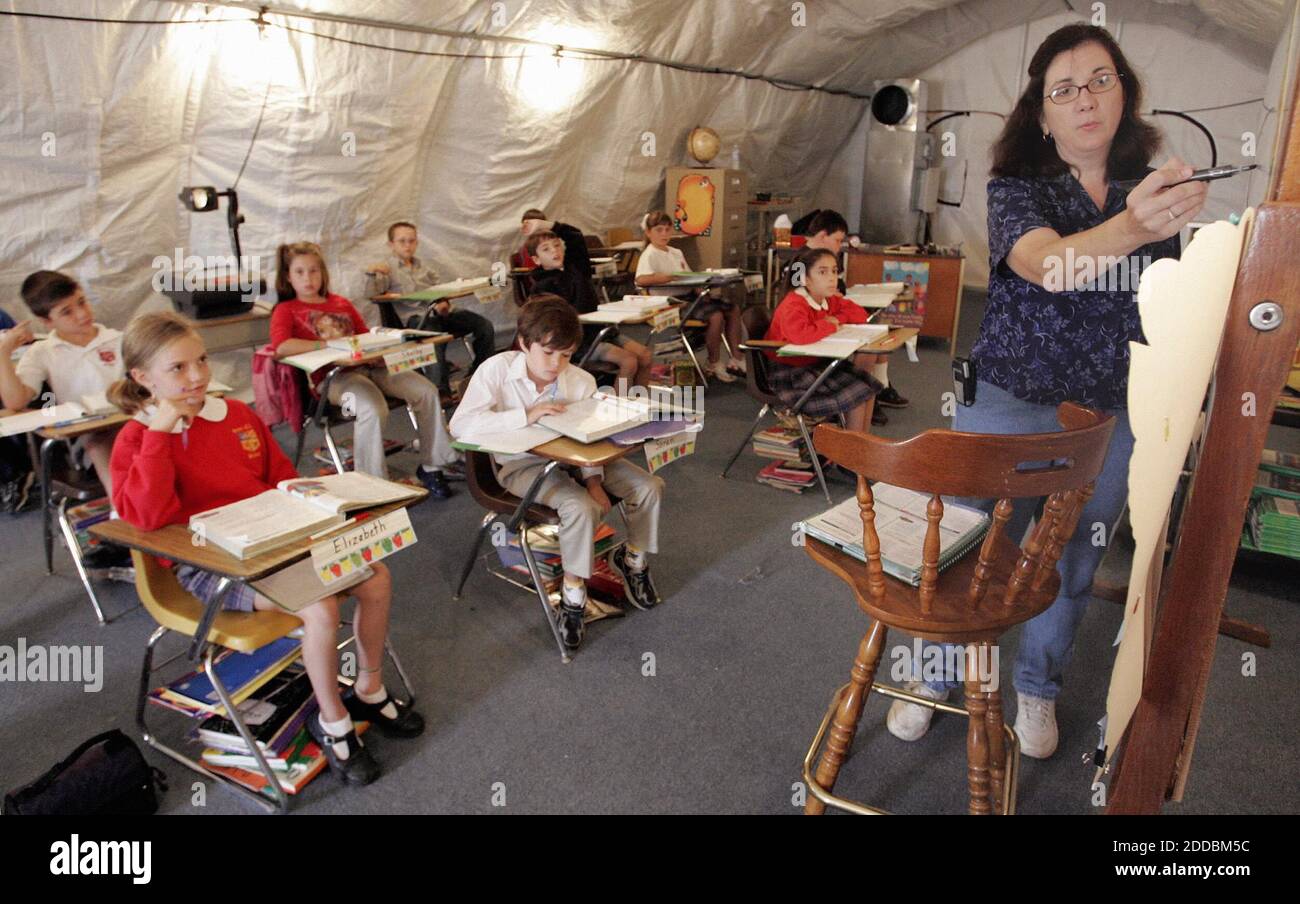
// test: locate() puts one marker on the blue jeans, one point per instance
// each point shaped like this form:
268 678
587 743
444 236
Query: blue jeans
1047 640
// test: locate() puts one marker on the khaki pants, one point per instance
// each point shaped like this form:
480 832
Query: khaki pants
361 393
641 493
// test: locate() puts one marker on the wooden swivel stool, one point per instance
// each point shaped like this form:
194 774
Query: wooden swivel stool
976 599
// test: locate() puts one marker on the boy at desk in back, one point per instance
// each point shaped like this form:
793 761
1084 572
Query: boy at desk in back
403 273
564 269
515 389
79 358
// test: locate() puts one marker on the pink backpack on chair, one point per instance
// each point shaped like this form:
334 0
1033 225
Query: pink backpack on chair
275 390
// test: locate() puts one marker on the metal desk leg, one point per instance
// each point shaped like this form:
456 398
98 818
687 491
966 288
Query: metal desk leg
207 618
47 526
70 537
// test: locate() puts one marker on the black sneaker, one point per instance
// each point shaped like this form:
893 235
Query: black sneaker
890 398
406 724
359 768
434 482
637 585
572 626
878 417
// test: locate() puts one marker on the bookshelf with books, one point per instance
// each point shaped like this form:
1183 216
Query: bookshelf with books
1273 515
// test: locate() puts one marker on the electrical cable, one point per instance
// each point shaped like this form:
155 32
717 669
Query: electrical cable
586 54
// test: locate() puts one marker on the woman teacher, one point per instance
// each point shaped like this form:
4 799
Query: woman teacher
1057 326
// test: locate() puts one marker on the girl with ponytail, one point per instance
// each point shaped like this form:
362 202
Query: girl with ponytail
186 452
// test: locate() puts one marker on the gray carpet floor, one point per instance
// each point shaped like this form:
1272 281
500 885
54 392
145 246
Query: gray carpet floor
747 647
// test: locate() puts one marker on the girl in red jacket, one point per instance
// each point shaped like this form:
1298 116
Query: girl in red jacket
808 313
186 452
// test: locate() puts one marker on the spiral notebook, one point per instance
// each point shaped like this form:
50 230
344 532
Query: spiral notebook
901 525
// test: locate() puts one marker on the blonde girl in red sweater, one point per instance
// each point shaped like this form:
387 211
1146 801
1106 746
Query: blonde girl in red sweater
186 452
812 310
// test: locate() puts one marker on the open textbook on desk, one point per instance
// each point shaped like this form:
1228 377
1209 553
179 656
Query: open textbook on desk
295 509
901 525
844 342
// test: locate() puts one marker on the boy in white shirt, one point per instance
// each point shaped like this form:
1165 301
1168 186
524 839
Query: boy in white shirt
516 388
79 357
658 262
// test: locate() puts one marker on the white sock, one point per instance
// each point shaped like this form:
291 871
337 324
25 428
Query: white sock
575 594
636 559
337 730
389 710
881 373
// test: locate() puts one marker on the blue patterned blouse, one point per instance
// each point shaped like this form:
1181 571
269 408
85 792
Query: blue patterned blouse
1047 347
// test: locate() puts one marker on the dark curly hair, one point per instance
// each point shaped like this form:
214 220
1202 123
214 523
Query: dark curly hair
1020 149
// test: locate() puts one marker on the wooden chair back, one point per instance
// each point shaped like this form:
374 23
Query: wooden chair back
1060 466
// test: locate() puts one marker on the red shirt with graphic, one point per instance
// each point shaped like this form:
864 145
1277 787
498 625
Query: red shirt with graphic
329 319
164 478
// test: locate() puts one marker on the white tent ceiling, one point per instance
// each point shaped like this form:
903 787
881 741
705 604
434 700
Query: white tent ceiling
101 124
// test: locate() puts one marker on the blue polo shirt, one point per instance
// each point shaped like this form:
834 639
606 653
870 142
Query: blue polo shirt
1050 347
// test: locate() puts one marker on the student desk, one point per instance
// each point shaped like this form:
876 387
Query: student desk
389 317
51 437
176 542
319 408
890 342
513 510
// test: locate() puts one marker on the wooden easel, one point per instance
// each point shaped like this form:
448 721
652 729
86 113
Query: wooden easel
1254 358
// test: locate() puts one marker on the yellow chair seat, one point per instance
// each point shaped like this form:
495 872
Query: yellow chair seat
173 607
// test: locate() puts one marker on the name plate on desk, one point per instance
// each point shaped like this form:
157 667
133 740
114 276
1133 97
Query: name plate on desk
665 319
659 452
488 294
369 541
410 358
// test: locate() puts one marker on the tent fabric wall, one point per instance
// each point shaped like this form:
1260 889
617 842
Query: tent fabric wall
101 124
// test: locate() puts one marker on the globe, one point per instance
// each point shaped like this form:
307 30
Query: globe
703 144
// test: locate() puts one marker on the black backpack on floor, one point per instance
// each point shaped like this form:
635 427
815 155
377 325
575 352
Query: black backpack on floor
105 776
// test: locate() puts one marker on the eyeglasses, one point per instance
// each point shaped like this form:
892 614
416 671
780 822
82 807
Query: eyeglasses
1099 85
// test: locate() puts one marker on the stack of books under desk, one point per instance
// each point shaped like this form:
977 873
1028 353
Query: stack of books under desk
604 587
791 469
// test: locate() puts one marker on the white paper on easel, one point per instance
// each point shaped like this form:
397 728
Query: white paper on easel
1183 305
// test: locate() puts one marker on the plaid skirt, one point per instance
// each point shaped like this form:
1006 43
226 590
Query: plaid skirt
841 392
203 585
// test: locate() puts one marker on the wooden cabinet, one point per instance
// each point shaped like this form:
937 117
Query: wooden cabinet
708 206
943 291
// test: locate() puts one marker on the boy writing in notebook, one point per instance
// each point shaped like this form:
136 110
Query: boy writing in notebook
78 358
515 389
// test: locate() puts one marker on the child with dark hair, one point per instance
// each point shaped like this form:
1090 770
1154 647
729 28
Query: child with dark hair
812 310
515 389
79 358
826 229
553 248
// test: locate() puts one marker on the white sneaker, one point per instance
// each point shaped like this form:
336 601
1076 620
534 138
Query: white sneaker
719 370
910 721
736 366
1036 726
